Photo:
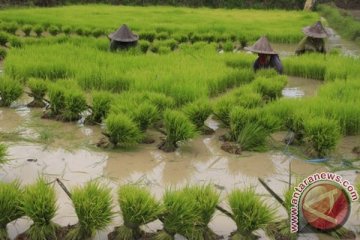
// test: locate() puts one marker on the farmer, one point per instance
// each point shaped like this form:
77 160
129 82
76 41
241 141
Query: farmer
314 40
122 38
268 58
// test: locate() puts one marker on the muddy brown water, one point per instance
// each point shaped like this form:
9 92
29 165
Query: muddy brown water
301 87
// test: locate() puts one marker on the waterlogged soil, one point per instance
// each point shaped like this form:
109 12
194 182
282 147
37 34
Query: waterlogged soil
301 87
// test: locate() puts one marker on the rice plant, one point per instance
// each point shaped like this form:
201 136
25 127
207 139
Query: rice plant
27 29
144 45
120 129
15 42
57 99
38 29
270 88
93 207
11 27
10 90
75 104
252 137
38 88
3 150
223 107
322 135
100 106
198 112
178 128
206 198
138 207
53 30
3 53
250 212
181 216
11 196
145 115
39 203
3 38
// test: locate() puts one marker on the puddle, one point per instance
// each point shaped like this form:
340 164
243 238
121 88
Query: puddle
301 87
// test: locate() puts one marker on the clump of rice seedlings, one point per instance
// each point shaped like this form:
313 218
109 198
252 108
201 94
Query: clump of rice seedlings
178 128
97 32
93 207
138 207
250 100
3 53
180 37
67 30
75 104
144 45
38 29
198 112
57 99
171 43
10 90
149 36
145 115
162 35
322 135
120 129
15 42
53 30
250 212
181 216
252 137
267 73
3 38
239 117
11 27
3 150
270 88
206 198
79 31
228 46
10 198
101 103
38 88
39 203
27 29
223 108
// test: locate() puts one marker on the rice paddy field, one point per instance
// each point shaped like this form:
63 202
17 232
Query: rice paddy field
168 139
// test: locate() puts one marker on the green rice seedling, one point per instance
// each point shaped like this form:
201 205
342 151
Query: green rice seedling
145 114
97 32
54 30
3 53
38 29
270 88
149 36
3 150
93 207
195 38
223 107
57 99
138 207
120 129
164 50
249 99
206 198
228 46
67 30
87 32
239 117
4 38
178 128
27 29
250 212
101 102
181 216
161 101
198 112
15 42
38 88
162 35
10 198
171 43
39 203
267 73
11 27
144 45
180 37
10 90
252 137
322 135
75 104
79 31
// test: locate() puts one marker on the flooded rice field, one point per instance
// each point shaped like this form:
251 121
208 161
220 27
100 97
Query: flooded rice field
300 87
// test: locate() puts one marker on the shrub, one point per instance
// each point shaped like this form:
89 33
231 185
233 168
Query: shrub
10 90
269 88
53 30
144 115
100 106
206 198
144 45
27 29
97 32
198 112
3 53
4 38
67 30
138 207
39 203
38 29
57 99
10 198
149 36
75 104
120 129
38 88
322 135
178 128
181 216
3 150
249 212
93 207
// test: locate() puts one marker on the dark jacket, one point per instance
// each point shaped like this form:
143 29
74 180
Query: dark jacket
273 63
309 44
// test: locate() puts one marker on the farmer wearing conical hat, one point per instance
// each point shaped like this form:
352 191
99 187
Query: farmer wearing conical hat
122 38
268 58
314 40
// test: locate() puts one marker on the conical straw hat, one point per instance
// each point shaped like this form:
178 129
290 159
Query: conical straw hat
123 34
261 46
316 31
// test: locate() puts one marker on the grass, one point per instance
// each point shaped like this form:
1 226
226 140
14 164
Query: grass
138 207
250 213
39 203
10 198
165 21
93 207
